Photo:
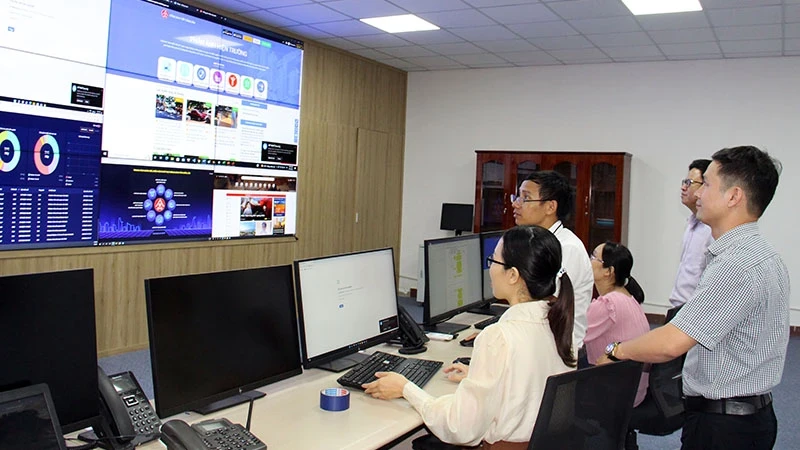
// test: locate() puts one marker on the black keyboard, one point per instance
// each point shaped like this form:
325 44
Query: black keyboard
486 322
418 371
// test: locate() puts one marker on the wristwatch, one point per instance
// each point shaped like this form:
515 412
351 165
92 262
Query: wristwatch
610 351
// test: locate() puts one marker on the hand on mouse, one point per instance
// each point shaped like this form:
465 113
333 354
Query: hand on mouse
456 372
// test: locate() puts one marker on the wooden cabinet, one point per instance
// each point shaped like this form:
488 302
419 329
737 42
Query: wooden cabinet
600 181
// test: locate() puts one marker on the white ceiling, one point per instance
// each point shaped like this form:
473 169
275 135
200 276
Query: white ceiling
507 33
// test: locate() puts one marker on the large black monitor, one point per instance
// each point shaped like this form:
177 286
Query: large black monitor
47 335
452 281
347 303
456 217
214 336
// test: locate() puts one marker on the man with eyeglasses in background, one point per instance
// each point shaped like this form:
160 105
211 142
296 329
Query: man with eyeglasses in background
696 237
545 199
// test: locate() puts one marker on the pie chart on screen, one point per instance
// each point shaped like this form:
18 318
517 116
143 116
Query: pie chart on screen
9 141
40 151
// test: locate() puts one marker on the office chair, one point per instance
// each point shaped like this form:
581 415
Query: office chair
661 411
587 408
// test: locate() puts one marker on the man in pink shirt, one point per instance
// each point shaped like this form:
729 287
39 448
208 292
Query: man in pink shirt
696 237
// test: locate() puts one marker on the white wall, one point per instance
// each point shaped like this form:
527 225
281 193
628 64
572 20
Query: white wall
665 113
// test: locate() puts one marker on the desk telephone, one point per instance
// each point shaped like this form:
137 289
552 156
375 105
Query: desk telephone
126 412
208 435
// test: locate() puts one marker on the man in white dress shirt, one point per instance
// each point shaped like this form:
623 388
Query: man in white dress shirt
696 237
545 198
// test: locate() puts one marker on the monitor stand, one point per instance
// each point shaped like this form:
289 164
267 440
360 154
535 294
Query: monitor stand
234 400
445 327
344 363
490 309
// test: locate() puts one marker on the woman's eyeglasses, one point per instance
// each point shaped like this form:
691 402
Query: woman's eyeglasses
490 260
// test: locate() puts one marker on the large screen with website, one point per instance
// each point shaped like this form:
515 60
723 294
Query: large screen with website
141 121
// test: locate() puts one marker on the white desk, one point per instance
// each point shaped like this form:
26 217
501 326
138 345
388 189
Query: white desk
289 417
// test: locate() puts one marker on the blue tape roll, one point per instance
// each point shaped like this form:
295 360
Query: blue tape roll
334 399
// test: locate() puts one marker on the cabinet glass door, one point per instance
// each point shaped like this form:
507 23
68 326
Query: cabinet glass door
570 171
492 196
603 198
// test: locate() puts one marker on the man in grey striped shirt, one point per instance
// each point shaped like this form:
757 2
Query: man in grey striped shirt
739 314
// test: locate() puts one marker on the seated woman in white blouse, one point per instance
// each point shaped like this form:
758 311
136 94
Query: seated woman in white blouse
497 400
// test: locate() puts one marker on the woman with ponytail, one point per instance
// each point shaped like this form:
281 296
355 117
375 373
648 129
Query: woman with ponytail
616 314
499 393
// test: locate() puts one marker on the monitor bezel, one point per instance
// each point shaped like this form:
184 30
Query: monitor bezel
453 206
316 361
204 401
429 320
485 235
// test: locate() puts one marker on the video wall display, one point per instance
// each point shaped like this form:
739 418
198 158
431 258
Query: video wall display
143 121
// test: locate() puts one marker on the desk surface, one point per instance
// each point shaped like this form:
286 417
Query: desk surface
289 417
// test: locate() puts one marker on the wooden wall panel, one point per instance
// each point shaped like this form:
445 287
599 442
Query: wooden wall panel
341 93
326 189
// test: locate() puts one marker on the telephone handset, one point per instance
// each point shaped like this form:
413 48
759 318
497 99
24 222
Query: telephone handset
208 435
130 417
411 334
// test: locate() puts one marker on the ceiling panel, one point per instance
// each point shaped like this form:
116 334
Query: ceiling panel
621 39
490 33
460 18
508 15
543 29
497 33
362 9
506 46
745 16
587 9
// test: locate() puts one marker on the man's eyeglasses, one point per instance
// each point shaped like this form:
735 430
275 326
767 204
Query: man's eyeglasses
490 260
515 199
689 182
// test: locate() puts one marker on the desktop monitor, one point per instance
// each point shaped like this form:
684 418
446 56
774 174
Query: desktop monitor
346 303
214 336
47 335
452 280
457 217
489 241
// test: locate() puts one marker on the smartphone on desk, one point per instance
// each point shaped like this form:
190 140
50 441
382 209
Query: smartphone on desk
208 435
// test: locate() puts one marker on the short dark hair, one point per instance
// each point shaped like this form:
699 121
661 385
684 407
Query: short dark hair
700 164
620 258
753 170
554 186
536 253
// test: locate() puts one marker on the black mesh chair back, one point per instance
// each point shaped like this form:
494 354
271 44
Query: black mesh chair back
661 412
587 409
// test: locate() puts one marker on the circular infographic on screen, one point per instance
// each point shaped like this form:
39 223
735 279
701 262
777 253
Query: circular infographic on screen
9 151
159 205
46 154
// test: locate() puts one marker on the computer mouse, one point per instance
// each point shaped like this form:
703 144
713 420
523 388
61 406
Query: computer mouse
462 360
467 342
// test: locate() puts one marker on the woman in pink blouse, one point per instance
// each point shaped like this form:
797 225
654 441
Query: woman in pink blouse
616 315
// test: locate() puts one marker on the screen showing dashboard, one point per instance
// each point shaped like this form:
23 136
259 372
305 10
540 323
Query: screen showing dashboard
129 121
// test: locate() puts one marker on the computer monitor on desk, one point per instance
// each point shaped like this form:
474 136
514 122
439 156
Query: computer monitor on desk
452 281
47 335
214 336
489 241
346 303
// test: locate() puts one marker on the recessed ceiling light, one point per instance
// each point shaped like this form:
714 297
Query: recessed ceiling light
400 24
643 7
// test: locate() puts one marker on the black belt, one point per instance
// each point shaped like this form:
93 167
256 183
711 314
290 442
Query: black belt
735 406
